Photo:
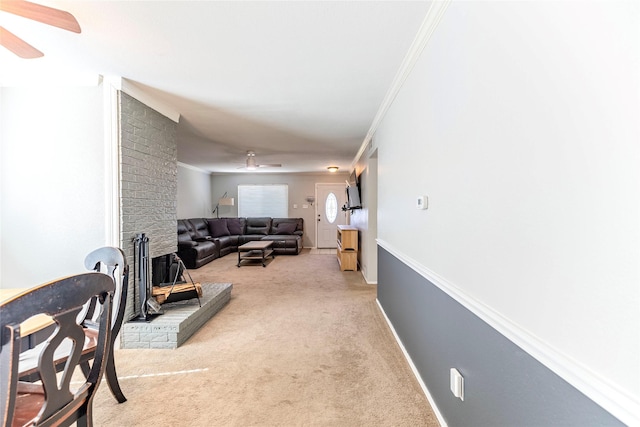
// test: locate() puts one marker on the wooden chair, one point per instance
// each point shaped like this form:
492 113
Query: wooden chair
112 261
108 260
53 401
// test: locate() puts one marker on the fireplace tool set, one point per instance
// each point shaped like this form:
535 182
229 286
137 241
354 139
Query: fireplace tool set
150 296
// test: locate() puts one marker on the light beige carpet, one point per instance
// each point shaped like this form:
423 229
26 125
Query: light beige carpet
299 344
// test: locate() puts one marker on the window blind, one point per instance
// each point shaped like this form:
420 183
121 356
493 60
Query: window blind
263 200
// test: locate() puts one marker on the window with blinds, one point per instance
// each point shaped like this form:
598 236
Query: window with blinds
263 200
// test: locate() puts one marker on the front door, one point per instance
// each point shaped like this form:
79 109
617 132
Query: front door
329 201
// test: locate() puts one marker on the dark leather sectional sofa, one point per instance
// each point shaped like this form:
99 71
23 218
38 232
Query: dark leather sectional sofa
201 240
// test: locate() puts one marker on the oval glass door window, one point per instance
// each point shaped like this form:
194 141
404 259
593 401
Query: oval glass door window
331 208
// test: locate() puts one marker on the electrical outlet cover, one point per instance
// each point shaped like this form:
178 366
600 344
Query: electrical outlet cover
457 384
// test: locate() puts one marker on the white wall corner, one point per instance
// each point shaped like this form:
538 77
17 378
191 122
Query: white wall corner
111 113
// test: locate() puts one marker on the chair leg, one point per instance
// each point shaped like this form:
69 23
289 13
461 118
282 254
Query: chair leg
112 379
84 366
110 375
85 416
82 421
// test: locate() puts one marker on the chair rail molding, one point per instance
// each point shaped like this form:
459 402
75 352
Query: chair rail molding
609 396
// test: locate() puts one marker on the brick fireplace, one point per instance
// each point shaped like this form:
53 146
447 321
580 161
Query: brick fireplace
148 204
148 177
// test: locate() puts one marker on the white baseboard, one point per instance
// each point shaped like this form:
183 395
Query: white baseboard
365 277
425 390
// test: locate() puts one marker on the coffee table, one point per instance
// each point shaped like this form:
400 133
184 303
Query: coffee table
255 251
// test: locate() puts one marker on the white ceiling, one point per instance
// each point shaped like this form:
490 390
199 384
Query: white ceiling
298 82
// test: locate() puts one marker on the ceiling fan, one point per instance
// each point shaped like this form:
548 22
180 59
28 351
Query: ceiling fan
252 165
35 12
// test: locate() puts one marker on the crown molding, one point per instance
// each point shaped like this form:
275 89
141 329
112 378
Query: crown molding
428 26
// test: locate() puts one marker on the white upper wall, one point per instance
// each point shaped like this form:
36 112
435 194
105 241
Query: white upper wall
520 122
52 204
194 192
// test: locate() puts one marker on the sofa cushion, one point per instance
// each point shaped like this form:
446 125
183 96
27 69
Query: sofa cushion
285 245
245 238
235 225
228 241
218 227
258 230
185 231
281 238
198 255
258 226
188 244
299 230
200 228
285 228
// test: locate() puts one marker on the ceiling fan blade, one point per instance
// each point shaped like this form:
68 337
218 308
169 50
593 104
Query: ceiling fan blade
45 14
18 46
252 165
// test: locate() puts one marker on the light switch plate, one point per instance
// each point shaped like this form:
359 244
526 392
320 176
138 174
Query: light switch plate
422 202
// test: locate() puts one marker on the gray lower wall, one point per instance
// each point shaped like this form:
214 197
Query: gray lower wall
504 385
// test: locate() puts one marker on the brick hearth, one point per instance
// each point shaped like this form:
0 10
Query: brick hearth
180 320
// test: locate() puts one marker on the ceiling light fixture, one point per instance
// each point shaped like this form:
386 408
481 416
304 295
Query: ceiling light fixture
251 166
333 169
251 161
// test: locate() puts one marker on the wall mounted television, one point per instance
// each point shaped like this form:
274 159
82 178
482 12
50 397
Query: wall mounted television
353 192
353 197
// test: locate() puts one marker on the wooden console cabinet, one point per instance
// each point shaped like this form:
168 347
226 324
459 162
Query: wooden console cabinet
347 250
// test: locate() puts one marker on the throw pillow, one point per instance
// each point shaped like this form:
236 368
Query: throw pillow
218 228
286 228
235 226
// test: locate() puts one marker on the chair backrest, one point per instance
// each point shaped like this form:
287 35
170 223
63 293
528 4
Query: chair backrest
63 300
112 261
